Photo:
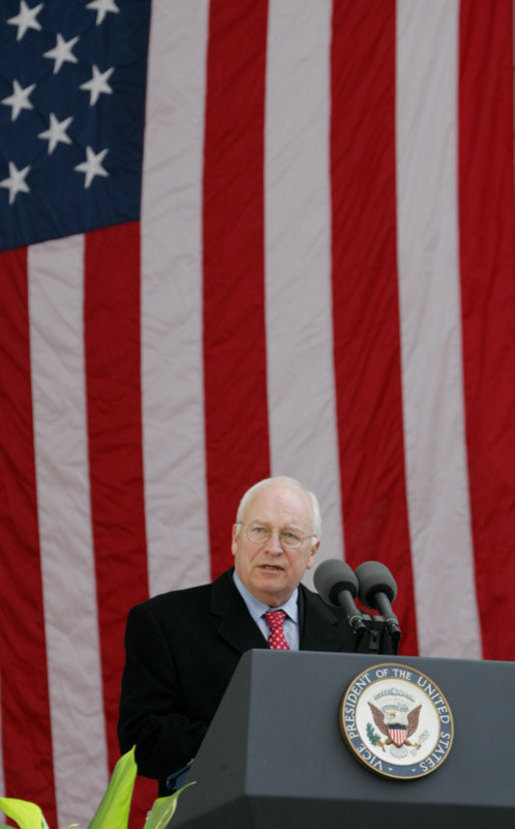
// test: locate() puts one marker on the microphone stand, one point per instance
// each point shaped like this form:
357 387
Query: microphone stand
378 637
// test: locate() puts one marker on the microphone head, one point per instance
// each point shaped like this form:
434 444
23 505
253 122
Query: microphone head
375 577
331 577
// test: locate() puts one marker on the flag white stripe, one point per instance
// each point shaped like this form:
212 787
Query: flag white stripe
437 481
302 408
68 574
171 227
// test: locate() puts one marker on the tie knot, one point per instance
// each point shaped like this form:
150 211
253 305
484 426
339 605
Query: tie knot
275 619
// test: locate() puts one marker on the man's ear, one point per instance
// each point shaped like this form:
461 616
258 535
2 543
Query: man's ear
235 534
311 559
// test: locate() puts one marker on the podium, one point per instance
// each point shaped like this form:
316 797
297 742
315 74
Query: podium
274 755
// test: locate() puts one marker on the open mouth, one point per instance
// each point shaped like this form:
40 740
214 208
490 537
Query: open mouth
271 567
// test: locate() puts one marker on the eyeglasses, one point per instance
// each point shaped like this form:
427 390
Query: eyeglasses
260 533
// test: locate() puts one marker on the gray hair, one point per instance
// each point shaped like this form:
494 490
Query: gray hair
317 520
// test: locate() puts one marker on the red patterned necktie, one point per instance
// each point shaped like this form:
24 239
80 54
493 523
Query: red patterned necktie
276 639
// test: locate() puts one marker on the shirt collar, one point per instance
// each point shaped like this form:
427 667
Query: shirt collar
256 608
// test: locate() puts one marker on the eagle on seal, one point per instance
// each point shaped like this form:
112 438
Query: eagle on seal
396 726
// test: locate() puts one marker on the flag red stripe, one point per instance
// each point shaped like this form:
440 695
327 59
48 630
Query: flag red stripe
112 356
236 430
486 205
26 730
365 295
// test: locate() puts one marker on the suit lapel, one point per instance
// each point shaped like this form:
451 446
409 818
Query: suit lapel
320 629
235 624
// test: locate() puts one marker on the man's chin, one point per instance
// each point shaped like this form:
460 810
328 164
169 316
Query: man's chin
271 586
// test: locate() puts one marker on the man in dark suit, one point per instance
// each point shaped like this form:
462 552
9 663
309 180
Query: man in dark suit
183 647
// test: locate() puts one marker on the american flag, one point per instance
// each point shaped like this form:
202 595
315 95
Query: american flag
398 733
239 239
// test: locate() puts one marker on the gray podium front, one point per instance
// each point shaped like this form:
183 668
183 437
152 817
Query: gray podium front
274 756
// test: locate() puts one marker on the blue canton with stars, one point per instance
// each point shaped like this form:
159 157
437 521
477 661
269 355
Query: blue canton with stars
72 108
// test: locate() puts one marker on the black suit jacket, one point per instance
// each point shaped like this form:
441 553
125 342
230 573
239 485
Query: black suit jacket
181 651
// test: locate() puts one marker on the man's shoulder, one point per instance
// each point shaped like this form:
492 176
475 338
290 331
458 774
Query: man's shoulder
315 605
314 599
325 627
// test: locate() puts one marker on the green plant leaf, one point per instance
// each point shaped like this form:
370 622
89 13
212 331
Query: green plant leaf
163 809
26 814
113 810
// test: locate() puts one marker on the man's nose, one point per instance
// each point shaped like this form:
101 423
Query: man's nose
274 542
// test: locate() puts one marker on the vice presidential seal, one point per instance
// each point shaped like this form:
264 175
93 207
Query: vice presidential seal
396 721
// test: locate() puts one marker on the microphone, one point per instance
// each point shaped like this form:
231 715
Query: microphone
337 584
377 589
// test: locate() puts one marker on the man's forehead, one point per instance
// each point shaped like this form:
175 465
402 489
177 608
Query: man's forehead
278 499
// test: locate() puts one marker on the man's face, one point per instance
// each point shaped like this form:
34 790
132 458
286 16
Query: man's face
270 572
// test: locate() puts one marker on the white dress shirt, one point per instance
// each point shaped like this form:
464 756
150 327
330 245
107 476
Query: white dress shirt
257 609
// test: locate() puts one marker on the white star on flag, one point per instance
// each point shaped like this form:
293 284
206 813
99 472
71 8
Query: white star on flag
98 84
102 7
56 132
25 19
92 166
19 99
16 181
62 52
